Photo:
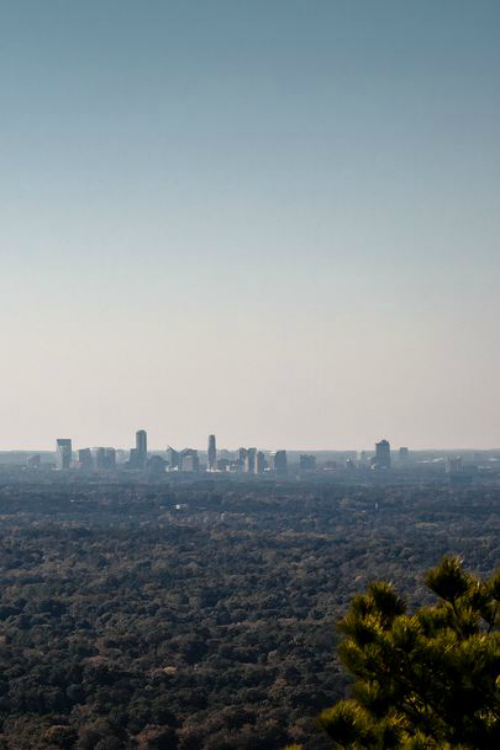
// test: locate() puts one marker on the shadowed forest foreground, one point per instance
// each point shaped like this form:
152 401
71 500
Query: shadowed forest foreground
200 615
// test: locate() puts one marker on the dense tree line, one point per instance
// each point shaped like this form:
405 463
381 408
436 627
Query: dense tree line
200 615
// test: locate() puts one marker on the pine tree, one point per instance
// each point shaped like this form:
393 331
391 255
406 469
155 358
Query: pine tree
423 680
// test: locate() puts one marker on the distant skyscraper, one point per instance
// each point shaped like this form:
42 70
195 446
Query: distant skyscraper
404 454
307 462
383 455
261 463
241 459
250 465
85 459
280 462
141 443
111 459
172 459
139 454
64 452
105 459
212 453
100 459
189 460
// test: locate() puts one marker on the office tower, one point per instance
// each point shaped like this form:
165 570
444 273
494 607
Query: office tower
105 459
250 464
241 456
85 460
139 454
141 444
110 457
383 455
100 459
280 462
404 454
212 453
64 454
261 463
223 464
189 460
307 462
172 459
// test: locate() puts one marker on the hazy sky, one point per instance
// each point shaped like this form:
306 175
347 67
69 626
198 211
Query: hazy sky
275 220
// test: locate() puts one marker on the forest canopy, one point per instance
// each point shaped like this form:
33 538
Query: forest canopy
199 615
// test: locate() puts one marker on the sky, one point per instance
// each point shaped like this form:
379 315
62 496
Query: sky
274 220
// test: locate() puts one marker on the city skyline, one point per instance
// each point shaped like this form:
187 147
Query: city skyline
212 451
460 469
279 220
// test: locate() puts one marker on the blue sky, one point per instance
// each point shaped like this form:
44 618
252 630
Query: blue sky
277 221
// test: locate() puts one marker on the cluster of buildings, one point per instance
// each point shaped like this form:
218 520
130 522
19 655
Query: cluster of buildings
242 461
97 459
378 465
245 460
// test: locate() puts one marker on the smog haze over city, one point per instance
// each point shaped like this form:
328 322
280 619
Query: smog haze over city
276 221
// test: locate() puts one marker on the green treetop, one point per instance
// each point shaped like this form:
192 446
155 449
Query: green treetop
424 680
